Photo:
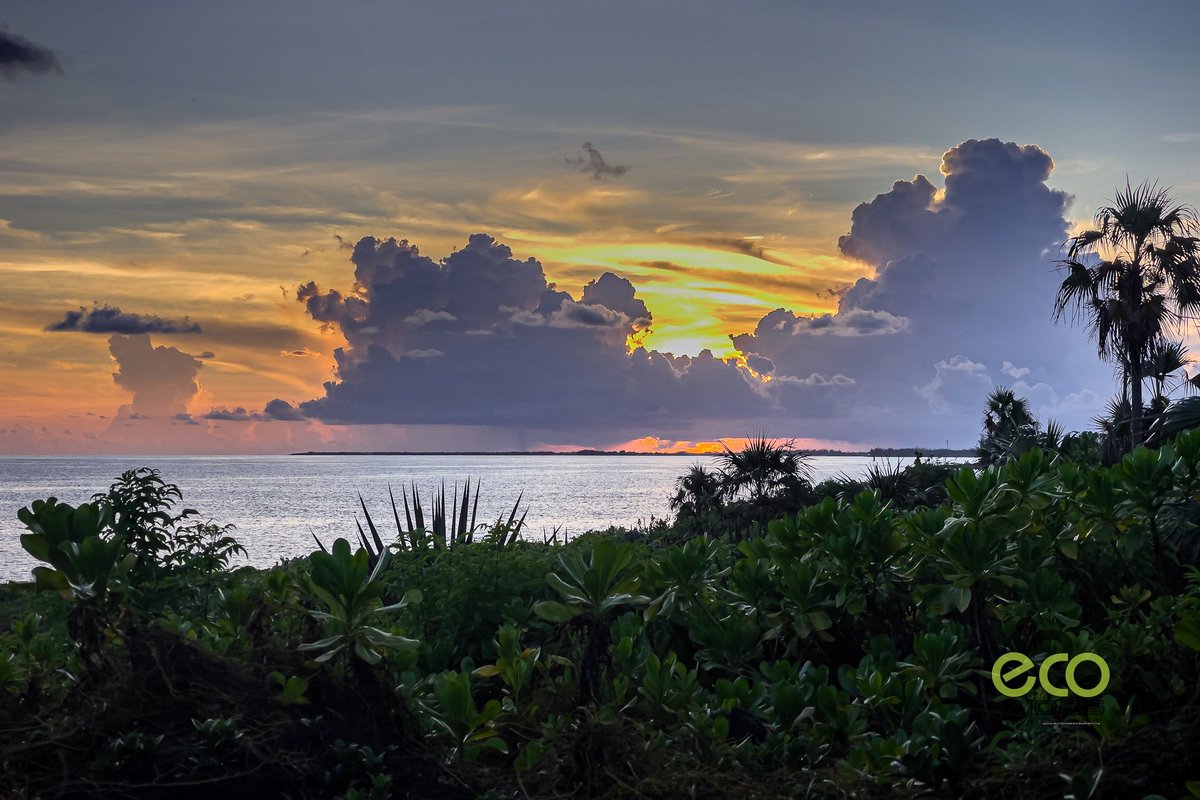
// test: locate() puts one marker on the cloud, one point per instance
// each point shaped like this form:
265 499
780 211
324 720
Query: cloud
282 410
817 379
1013 371
111 319
760 365
853 322
416 352
959 291
238 414
594 163
747 245
424 316
957 384
617 294
162 380
18 54
962 288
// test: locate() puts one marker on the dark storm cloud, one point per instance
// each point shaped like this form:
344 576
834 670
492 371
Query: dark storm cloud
239 414
18 54
110 319
481 338
594 163
282 410
963 287
760 365
616 293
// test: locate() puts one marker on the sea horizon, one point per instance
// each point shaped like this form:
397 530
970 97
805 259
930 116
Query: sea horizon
277 503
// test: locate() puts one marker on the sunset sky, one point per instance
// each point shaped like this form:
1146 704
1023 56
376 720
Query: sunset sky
265 227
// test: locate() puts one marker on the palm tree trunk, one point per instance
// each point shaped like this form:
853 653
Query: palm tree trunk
1135 399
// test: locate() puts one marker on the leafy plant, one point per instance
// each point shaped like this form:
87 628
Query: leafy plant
515 665
88 565
470 730
351 590
291 689
593 586
142 506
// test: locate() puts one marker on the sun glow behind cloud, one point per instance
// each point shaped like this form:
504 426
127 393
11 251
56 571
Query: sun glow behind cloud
698 295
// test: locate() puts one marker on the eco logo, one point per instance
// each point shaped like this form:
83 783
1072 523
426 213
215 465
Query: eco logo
1005 676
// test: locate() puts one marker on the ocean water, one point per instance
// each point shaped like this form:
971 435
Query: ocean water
277 503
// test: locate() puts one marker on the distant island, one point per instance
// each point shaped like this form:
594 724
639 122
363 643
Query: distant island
874 452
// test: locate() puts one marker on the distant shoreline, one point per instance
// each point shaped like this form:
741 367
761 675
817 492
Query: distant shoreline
896 452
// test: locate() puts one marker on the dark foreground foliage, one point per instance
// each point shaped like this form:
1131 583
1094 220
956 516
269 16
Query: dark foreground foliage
840 651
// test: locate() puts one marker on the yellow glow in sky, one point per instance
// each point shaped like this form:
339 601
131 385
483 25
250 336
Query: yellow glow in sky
698 295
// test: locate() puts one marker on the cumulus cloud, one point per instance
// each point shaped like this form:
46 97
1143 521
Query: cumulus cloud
481 338
162 380
282 410
111 319
239 414
591 161
960 292
1013 371
962 289
957 383
18 54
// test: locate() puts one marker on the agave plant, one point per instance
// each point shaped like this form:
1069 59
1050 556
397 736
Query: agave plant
449 525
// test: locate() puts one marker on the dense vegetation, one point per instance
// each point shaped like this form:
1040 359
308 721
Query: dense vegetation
843 650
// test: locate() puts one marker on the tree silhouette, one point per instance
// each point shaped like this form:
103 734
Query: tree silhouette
761 467
1134 280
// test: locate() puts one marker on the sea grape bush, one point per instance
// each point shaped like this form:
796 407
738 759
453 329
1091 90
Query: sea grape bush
844 650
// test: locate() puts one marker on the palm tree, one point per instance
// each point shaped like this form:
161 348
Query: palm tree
1007 422
697 492
1167 360
1113 425
1010 430
1134 280
761 467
